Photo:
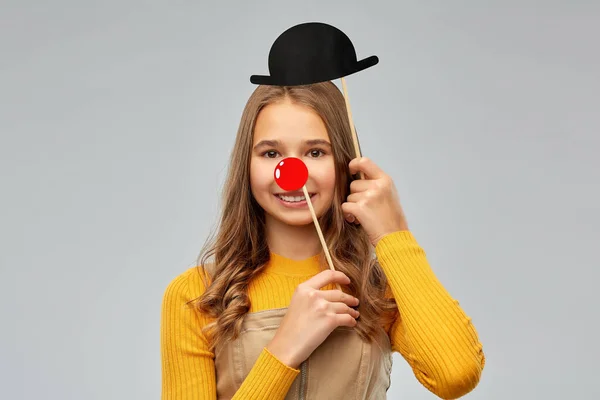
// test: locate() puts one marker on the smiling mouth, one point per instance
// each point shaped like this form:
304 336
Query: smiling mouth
293 199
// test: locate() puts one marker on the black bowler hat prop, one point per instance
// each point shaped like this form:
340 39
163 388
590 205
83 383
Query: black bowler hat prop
291 174
314 52
309 53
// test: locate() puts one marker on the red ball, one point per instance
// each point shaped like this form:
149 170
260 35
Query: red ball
291 174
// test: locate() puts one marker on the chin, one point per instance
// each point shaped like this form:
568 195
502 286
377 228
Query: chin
299 220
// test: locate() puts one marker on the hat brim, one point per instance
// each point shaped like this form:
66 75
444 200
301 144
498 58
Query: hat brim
269 80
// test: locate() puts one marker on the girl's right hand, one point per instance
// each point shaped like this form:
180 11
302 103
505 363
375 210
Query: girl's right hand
311 316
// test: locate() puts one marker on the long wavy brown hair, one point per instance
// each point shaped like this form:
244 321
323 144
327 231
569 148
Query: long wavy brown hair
239 251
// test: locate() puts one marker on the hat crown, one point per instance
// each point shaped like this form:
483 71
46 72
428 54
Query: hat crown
311 52
314 49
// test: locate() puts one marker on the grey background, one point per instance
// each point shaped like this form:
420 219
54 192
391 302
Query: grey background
117 118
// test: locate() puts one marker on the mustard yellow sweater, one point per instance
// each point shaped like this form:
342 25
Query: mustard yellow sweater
433 333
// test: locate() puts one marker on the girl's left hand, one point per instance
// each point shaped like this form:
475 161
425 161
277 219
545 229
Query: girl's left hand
373 201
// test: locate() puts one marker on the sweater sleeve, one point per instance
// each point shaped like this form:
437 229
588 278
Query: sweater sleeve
188 369
432 332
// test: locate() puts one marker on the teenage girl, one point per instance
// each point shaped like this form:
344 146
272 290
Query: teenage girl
260 315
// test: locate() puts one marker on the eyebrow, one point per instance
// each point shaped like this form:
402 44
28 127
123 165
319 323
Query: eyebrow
276 143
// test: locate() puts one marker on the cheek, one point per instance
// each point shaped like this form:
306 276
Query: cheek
254 178
260 178
326 178
330 180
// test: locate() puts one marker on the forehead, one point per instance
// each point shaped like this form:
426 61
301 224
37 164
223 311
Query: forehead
288 122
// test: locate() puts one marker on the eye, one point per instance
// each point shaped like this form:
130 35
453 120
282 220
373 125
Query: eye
317 151
269 152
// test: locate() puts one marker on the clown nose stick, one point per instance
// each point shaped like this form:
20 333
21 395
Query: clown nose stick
291 174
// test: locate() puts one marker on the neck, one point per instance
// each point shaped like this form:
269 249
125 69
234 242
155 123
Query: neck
293 242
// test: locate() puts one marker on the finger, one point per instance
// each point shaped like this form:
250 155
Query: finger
337 296
367 166
351 208
326 277
345 320
355 197
351 219
341 308
361 185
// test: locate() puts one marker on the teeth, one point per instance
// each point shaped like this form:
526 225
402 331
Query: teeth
292 199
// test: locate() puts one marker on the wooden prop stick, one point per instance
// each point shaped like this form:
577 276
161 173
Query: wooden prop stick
316 222
291 174
354 137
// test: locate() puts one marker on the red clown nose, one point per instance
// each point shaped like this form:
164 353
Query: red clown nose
291 174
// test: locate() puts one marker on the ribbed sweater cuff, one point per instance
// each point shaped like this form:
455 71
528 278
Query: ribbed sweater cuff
268 379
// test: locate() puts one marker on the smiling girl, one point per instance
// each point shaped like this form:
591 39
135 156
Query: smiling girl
260 317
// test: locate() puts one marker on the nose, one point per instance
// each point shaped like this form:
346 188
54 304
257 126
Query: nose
291 174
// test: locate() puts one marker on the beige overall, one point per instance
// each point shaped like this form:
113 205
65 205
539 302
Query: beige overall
342 367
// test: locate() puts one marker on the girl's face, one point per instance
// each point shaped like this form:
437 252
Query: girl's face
291 130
